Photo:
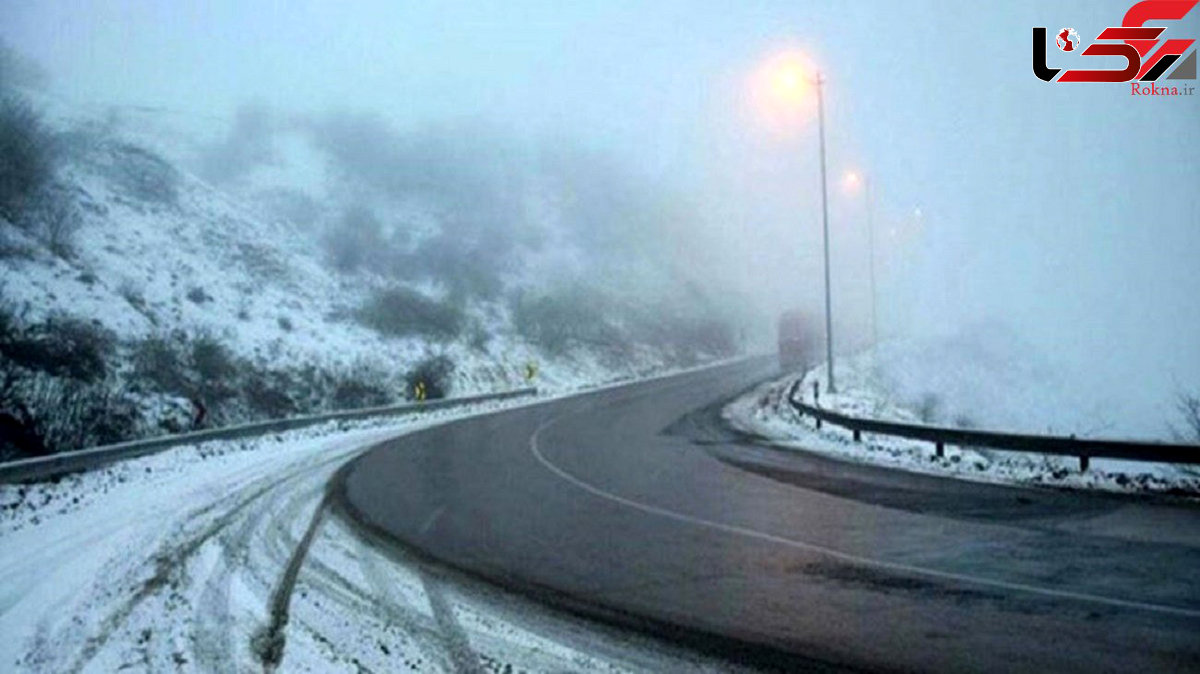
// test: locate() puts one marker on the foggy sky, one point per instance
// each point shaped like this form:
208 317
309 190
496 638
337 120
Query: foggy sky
1069 212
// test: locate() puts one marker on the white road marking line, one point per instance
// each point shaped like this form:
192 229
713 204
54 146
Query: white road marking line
838 554
431 520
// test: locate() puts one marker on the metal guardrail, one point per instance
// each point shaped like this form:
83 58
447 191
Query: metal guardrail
1083 448
41 468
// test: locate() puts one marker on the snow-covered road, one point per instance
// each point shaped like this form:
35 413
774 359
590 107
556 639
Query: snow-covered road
173 562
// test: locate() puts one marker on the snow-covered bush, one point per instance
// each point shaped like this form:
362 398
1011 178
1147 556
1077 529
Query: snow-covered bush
61 346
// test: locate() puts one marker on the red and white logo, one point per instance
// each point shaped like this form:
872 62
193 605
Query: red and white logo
1147 57
1068 39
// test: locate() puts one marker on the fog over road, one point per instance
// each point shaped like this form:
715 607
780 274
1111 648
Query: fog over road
634 505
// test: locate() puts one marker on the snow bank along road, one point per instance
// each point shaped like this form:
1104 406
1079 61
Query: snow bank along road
634 506
220 557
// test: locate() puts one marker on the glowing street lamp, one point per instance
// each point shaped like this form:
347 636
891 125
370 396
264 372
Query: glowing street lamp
784 85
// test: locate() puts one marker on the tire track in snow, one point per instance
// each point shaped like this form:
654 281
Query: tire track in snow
269 644
458 645
168 565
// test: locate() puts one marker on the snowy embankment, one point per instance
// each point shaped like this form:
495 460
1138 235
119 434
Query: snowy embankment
173 284
865 390
171 562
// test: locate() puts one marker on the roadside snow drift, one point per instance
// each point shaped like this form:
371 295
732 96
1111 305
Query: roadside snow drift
764 412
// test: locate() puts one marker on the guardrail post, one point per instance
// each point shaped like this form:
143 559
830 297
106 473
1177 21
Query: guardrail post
857 435
941 449
818 422
1083 463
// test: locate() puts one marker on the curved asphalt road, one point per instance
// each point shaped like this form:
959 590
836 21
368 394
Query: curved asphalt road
633 505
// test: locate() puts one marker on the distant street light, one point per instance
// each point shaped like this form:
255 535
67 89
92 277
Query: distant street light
787 79
853 180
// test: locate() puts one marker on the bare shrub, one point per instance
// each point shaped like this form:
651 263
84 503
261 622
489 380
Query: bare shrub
18 432
182 365
73 415
432 376
215 367
160 361
1188 406
964 421
401 313
45 414
262 262
27 157
58 220
143 175
686 338
14 247
355 241
62 346
556 322
469 268
198 295
581 317
360 386
267 394
10 321
929 408
132 293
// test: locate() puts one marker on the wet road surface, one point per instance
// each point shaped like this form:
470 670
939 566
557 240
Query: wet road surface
635 506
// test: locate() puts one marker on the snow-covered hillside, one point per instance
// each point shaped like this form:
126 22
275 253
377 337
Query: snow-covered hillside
985 375
981 376
303 273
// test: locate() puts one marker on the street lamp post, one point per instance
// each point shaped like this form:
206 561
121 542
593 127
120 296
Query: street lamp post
781 88
825 230
871 261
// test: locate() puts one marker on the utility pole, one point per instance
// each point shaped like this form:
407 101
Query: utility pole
825 225
871 261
